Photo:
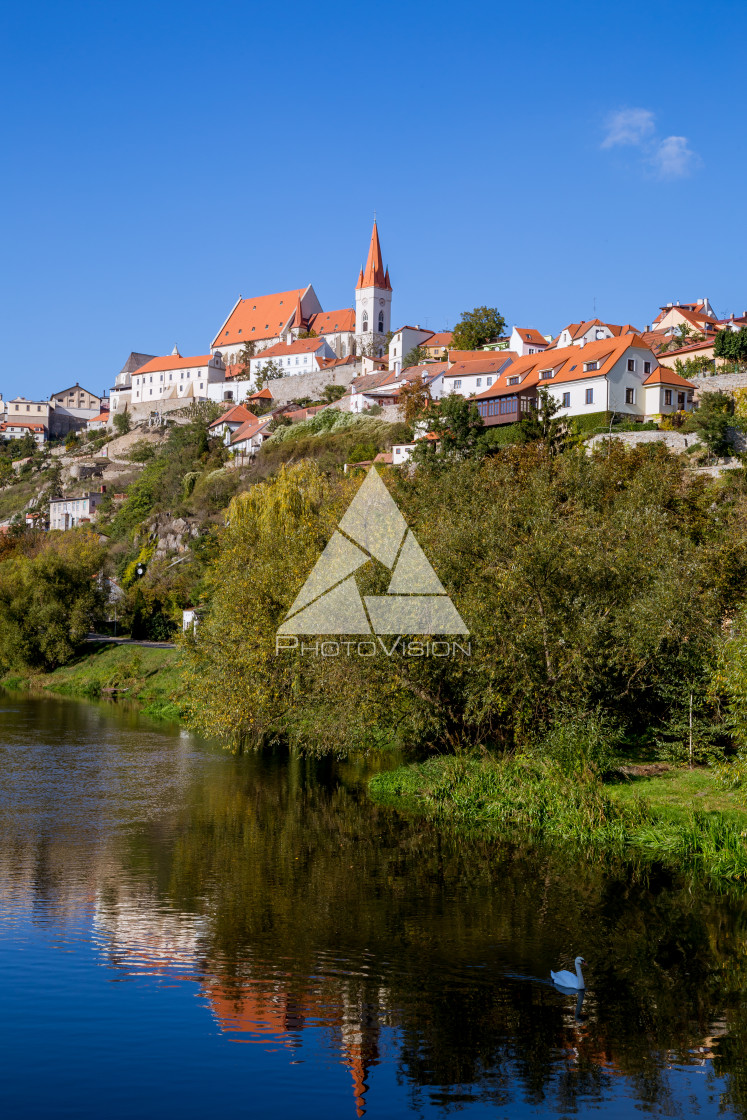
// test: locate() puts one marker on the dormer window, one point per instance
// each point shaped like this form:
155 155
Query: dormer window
546 374
513 381
589 367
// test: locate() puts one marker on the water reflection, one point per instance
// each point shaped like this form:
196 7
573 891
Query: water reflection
304 917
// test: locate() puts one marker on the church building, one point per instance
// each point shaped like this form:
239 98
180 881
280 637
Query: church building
264 321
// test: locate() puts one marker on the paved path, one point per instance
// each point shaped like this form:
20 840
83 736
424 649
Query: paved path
102 638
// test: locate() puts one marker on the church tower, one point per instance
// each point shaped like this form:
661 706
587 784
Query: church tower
373 303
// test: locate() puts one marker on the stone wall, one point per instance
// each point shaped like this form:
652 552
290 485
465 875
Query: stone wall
724 381
675 441
299 386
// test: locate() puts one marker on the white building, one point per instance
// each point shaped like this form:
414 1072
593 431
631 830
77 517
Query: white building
527 340
591 330
469 378
175 378
230 422
307 355
66 513
666 392
120 393
17 429
402 342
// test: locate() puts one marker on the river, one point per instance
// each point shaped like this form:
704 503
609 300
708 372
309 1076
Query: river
186 933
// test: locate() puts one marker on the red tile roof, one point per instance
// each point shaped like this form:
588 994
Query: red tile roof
253 320
286 349
331 322
665 376
568 364
488 363
158 365
440 338
235 415
476 355
529 334
250 429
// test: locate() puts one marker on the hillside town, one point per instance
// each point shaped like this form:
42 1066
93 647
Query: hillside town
283 357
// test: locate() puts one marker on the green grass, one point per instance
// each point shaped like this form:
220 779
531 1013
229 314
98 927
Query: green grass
148 675
684 821
678 793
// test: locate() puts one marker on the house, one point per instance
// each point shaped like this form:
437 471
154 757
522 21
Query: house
248 439
605 376
590 330
96 423
71 409
20 408
230 422
402 342
666 392
66 513
386 390
175 378
263 321
305 355
190 619
17 429
699 316
437 345
361 390
527 340
475 375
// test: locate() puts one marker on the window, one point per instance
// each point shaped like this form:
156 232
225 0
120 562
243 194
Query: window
531 351
457 384
488 380
680 400
479 382
381 322
566 400
667 396
631 365
630 396
589 367
364 325
546 374
590 396
513 381
297 360
647 367
600 334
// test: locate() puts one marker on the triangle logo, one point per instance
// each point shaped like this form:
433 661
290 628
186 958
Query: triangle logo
373 528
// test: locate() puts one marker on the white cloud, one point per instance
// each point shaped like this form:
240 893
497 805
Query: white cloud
673 158
628 126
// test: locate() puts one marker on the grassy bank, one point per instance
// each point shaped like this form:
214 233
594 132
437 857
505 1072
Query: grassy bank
683 819
147 675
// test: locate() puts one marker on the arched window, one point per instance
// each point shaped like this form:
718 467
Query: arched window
381 322
365 324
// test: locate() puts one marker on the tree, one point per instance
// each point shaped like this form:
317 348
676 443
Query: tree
49 601
415 357
414 400
71 441
731 345
270 371
332 393
477 327
456 428
683 335
308 334
543 423
122 423
712 421
698 366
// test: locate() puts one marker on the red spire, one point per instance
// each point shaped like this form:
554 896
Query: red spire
373 275
298 320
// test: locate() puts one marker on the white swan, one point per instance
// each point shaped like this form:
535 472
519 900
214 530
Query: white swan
568 979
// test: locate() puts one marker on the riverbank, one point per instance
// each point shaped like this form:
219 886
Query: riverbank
148 675
682 819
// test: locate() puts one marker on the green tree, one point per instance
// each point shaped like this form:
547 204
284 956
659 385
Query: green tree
72 441
731 345
308 334
270 371
122 423
695 367
49 601
476 327
458 428
332 393
543 423
415 357
712 421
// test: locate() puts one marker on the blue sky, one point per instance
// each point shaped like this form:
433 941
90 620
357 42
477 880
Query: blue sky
546 159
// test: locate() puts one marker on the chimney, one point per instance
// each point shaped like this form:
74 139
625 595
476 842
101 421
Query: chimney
677 304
